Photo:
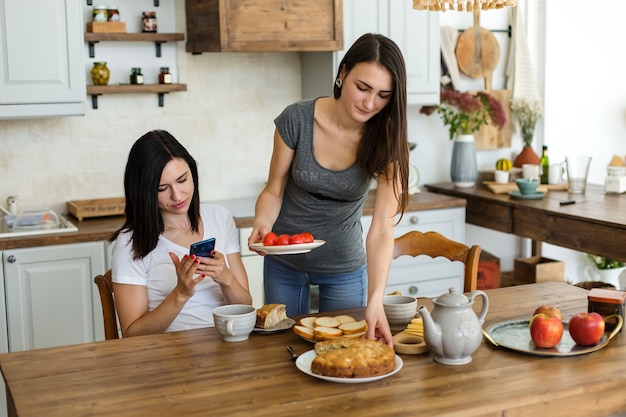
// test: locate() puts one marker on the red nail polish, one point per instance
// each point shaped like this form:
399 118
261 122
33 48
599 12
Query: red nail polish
193 257
197 260
186 256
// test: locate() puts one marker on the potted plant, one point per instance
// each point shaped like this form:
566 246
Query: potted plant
604 270
464 114
527 113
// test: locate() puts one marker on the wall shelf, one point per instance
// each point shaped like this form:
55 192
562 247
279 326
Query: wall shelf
160 89
156 3
157 38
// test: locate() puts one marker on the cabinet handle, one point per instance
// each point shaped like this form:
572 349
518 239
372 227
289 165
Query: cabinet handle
413 289
11 259
414 219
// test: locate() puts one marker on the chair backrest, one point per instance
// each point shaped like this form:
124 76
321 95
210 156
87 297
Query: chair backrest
105 287
434 244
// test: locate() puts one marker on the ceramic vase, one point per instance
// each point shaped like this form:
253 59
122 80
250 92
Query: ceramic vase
527 156
463 167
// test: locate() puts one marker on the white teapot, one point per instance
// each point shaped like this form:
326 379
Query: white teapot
452 330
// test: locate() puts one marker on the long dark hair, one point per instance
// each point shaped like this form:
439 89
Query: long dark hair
385 139
146 160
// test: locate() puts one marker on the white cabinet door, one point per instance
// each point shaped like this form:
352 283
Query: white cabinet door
51 297
41 58
423 276
254 268
415 32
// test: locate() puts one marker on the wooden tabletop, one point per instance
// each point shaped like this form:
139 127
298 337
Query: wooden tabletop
194 373
595 224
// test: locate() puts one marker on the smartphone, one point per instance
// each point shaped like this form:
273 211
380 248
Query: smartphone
203 248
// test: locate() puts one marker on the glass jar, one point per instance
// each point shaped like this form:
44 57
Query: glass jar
615 181
99 14
149 22
100 73
136 77
164 76
113 15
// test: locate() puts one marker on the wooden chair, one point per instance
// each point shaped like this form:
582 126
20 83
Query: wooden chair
434 244
105 287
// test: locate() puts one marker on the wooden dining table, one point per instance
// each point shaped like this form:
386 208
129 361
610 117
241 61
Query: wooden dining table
195 373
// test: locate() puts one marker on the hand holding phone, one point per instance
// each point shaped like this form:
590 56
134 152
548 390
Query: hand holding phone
203 248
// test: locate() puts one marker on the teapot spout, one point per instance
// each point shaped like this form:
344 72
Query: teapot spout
432 331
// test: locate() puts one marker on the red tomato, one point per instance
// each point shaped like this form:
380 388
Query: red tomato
308 237
283 239
295 239
270 239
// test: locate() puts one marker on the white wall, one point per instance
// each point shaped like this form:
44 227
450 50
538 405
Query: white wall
225 117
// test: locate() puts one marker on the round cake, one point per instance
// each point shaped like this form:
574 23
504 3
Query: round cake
346 357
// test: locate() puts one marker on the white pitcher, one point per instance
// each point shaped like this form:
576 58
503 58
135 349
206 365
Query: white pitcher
609 276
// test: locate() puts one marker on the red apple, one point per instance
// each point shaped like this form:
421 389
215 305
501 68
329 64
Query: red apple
586 329
545 330
549 310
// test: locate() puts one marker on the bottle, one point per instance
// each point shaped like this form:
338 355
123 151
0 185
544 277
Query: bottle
100 73
149 22
545 165
164 76
113 14
99 14
136 77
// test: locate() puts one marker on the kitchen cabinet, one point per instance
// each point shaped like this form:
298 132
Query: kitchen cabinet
51 299
263 25
41 59
423 276
415 32
4 343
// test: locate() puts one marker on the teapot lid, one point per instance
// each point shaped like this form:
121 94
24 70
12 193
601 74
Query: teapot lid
452 298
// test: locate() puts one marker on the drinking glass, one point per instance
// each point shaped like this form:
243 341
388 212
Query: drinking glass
577 168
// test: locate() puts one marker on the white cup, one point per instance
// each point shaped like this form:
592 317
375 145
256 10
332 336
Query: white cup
234 322
501 176
530 171
400 310
555 173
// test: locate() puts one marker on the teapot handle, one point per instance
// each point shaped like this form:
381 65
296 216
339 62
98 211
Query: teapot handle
485 308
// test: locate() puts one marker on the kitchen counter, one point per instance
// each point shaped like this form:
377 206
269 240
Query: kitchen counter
242 209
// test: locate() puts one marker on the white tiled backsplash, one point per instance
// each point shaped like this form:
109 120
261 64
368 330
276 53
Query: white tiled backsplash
225 119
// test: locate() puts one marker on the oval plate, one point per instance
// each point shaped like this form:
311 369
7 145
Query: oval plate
286 324
288 249
515 335
303 363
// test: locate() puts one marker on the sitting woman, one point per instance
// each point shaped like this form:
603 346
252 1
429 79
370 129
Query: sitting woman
158 286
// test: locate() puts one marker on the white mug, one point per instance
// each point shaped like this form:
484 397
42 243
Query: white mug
234 322
530 171
555 173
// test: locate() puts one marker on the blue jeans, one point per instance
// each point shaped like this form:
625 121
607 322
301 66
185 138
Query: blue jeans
337 291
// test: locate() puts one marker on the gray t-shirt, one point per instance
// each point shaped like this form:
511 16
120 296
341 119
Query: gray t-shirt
324 202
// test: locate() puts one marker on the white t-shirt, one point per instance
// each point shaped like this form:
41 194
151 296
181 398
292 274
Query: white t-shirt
156 271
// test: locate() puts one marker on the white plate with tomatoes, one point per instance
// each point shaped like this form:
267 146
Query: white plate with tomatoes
288 249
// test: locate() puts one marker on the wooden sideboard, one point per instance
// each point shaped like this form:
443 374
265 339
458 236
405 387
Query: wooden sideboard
595 223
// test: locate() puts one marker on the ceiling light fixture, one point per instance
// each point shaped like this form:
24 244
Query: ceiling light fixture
461 5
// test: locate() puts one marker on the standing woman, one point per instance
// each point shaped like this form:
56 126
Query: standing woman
326 152
158 287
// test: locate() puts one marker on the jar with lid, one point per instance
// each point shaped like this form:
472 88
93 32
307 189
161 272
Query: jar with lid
113 14
100 73
164 76
99 14
136 77
615 181
149 22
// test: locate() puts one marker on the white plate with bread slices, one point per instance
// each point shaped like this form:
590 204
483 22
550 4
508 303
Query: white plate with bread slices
272 318
288 249
303 363
317 328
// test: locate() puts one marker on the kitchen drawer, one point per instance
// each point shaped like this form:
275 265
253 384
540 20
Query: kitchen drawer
429 289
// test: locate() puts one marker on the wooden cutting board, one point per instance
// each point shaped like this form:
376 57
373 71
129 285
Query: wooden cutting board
477 52
490 137
502 188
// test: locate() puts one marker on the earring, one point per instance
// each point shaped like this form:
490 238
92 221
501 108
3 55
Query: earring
338 82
